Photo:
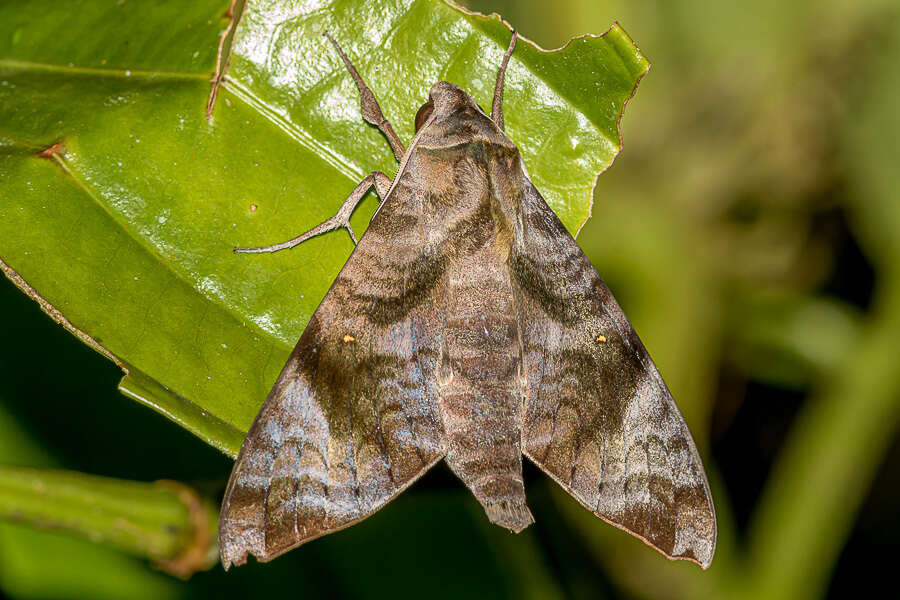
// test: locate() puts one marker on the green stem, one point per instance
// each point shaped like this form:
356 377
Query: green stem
166 522
828 465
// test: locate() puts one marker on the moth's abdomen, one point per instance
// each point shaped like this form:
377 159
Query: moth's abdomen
480 390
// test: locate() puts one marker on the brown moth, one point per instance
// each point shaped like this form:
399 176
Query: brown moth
468 326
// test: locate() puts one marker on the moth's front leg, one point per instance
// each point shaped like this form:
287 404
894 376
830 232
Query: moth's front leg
376 179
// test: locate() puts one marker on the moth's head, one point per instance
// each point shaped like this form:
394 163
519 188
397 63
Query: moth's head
444 99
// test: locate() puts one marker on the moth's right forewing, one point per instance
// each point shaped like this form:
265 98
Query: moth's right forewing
598 417
352 419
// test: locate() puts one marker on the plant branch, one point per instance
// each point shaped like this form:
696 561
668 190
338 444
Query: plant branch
164 521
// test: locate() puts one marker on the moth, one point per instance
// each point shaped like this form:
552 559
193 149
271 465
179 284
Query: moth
466 326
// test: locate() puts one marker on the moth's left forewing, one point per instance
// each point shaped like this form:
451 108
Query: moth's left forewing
352 420
598 417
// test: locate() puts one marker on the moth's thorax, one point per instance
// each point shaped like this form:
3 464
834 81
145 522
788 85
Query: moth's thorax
463 175
458 120
464 194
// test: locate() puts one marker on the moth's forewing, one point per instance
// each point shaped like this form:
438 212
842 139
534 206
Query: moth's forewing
598 416
353 418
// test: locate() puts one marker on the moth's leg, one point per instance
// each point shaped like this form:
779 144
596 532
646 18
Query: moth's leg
371 112
497 106
376 179
382 184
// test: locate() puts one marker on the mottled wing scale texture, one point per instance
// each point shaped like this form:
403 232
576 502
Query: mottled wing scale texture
353 418
466 325
478 377
598 417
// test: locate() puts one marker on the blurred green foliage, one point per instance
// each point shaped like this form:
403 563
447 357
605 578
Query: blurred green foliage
751 230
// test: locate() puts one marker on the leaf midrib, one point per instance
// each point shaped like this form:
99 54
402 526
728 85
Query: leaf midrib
25 65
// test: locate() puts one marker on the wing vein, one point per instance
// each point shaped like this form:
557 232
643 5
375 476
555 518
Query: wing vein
270 468
351 451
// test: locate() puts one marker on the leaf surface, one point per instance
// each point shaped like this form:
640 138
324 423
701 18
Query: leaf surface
121 202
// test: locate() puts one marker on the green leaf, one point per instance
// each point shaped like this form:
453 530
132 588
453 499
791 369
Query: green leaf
123 231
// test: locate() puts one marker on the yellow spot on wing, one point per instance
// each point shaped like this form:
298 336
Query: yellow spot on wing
349 338
601 338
